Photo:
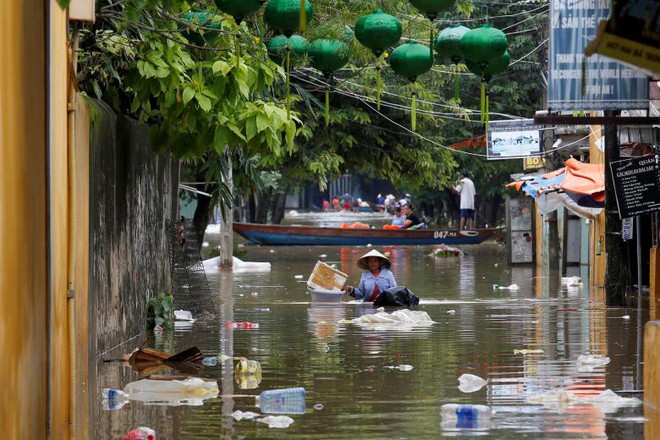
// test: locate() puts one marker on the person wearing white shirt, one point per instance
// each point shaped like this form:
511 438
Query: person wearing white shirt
466 190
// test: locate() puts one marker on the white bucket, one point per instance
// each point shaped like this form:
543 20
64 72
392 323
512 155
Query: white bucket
321 295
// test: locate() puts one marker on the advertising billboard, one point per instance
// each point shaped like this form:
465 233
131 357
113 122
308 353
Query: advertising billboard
513 139
608 85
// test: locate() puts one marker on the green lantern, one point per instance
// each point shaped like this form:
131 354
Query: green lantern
281 45
238 9
431 8
486 72
448 45
411 60
288 16
277 46
378 31
200 19
482 44
327 56
494 67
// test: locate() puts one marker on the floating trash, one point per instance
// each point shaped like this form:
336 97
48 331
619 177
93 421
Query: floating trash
469 383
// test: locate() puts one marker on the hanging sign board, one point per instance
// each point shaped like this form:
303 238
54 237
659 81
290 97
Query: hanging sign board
515 138
609 85
636 185
631 34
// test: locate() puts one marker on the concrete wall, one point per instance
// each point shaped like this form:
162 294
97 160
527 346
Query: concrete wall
130 202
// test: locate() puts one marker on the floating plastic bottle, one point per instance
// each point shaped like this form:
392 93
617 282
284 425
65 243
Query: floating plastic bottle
142 433
466 417
282 401
114 399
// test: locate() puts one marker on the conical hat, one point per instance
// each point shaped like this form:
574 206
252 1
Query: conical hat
362 262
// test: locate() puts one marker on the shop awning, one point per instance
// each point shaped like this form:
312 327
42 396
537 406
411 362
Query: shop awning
578 186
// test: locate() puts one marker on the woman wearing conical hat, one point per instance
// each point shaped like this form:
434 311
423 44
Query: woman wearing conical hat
376 278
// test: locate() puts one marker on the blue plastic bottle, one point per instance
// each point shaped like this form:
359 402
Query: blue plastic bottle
282 401
469 417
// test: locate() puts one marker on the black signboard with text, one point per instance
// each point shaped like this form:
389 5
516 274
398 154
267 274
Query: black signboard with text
636 185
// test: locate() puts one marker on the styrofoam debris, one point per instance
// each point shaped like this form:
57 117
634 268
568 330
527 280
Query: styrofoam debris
239 415
276 421
469 383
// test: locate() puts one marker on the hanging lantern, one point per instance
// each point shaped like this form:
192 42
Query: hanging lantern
448 45
431 8
482 44
277 45
327 56
492 68
288 16
411 60
378 31
238 9
280 47
200 19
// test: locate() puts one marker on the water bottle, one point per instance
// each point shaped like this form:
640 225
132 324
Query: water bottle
282 401
469 417
114 399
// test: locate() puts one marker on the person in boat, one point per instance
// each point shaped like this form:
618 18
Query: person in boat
398 218
376 277
412 220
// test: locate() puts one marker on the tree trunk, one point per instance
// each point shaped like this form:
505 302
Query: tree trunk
617 278
202 211
263 206
279 203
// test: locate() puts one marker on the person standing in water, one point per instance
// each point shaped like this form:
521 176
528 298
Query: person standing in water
376 277
465 189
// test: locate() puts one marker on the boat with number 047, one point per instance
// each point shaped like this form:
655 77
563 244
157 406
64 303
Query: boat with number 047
289 235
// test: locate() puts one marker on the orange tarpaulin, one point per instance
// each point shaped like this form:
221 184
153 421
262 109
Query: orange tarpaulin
584 178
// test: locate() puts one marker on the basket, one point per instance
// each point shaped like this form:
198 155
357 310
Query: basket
328 296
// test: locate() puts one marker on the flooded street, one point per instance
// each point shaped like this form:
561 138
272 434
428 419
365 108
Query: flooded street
378 383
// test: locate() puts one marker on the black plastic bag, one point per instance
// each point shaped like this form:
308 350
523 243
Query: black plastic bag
399 296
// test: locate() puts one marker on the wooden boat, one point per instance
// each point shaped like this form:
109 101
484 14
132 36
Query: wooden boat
284 235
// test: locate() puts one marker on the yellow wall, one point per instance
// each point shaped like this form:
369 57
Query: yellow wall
597 230
58 221
23 224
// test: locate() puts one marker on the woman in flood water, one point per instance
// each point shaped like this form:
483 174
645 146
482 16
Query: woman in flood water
376 277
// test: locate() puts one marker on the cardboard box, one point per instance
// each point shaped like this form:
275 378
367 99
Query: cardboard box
324 277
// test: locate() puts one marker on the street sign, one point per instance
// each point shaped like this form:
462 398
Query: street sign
636 185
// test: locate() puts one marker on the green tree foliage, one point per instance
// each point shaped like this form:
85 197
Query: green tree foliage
211 93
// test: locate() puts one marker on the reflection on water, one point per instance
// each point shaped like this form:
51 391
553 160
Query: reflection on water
347 370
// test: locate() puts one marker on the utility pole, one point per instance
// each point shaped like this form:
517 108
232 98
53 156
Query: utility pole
617 274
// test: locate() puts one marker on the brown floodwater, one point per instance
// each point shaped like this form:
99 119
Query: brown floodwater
383 383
